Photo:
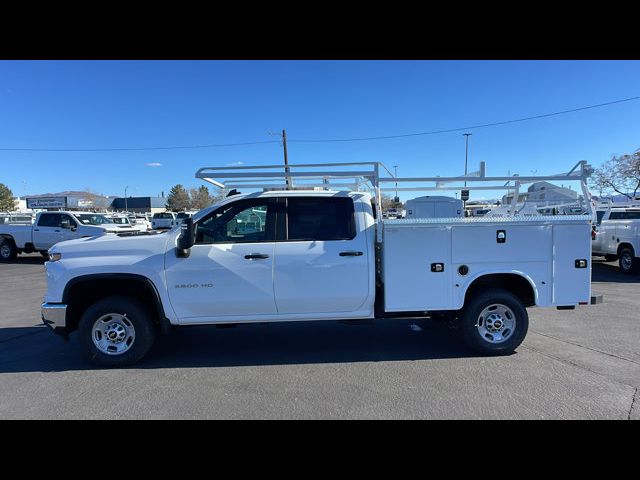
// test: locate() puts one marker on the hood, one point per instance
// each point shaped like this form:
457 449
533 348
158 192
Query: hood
112 245
117 228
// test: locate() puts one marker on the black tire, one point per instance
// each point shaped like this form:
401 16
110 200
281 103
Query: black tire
627 262
470 319
8 250
45 255
139 317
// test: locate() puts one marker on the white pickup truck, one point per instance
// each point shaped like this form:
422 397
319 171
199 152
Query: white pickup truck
616 236
50 228
164 221
295 255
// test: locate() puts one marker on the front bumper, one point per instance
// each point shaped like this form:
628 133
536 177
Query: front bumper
54 316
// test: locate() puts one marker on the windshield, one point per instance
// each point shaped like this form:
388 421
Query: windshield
93 219
120 220
163 215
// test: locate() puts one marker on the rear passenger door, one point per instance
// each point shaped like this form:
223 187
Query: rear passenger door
321 259
48 231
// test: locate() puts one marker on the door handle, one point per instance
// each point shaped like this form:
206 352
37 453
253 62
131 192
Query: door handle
36 229
350 254
57 231
256 256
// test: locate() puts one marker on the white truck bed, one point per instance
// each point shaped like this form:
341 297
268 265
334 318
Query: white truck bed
542 249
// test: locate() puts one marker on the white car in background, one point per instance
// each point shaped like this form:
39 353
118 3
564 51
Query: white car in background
124 220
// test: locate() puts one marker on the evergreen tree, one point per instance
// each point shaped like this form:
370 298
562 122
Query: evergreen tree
178 199
7 203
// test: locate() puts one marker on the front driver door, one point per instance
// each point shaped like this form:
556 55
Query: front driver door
229 272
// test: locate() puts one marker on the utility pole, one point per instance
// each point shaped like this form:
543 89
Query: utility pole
466 159
125 198
286 160
395 174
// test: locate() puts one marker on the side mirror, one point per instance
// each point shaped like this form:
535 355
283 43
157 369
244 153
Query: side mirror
185 240
65 223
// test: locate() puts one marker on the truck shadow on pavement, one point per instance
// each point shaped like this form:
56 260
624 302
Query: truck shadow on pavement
609 272
36 349
25 260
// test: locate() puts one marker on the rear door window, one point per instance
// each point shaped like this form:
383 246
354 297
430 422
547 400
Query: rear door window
320 218
624 216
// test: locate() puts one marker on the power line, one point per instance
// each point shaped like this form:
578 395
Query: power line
133 149
467 128
433 132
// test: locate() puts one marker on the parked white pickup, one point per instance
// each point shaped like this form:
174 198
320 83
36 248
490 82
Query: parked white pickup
617 237
50 228
164 220
313 255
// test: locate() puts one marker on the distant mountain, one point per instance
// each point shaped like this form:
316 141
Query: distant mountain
69 193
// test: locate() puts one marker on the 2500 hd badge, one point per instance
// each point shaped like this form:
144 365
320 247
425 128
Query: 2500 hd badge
194 285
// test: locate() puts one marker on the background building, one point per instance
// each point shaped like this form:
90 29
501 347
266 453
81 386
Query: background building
70 200
544 193
139 204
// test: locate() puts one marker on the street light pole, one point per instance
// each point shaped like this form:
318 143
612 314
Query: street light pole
125 198
466 154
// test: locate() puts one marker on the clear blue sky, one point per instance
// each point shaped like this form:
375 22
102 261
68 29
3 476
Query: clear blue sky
126 104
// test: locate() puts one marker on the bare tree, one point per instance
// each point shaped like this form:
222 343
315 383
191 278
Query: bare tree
389 202
201 198
619 174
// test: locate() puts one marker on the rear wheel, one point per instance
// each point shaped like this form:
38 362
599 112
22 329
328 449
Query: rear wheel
627 261
45 255
116 331
494 322
8 250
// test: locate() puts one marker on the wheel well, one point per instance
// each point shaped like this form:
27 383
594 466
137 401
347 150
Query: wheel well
626 245
7 237
512 282
83 293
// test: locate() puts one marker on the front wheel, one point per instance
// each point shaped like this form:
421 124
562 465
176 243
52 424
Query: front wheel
116 331
494 322
627 261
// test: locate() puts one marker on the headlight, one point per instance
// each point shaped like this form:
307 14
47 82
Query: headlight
54 257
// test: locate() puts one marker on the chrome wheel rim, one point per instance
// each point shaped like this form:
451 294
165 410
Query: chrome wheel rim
496 323
5 251
626 261
113 334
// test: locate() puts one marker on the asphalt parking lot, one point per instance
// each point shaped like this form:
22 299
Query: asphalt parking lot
581 364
